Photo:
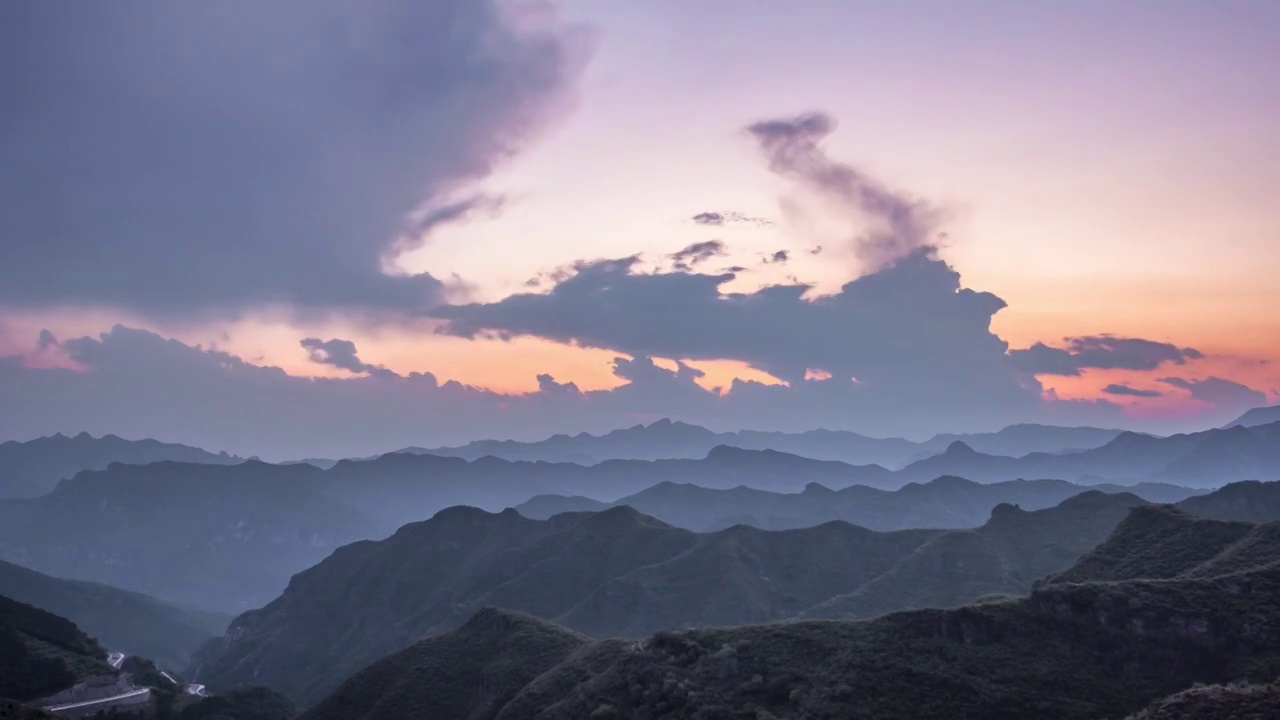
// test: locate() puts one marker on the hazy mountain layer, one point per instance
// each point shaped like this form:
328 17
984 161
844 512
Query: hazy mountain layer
665 439
29 469
123 621
215 537
947 502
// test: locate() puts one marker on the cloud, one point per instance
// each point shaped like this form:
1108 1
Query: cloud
1221 393
1116 389
197 159
731 218
777 258
910 334
696 253
136 383
901 225
341 354
1103 352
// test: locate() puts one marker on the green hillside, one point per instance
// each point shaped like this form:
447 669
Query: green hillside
1005 556
41 653
472 671
122 621
1086 650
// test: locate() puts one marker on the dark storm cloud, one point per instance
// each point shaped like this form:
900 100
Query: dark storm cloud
1116 389
901 225
1220 392
910 334
341 354
183 159
1103 352
696 253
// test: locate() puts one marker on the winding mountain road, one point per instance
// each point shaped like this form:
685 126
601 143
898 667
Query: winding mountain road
133 697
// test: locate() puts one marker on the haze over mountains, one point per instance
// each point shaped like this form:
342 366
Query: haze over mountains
124 621
620 573
946 502
1119 630
33 468
664 439
617 548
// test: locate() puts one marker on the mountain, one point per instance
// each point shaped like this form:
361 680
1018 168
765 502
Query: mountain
665 439
1069 651
490 659
228 537
122 620
216 537
1204 459
1258 416
611 573
945 502
41 653
33 468
1003 557
1249 501
1161 541
1019 440
1237 701
619 572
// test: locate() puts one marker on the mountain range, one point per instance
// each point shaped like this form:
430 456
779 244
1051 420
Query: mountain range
946 502
220 538
621 573
123 621
226 538
665 439
1257 416
1100 640
33 468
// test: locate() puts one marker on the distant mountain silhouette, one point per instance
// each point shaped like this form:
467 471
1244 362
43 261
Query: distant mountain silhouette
666 439
215 537
1204 459
123 621
1258 416
33 468
620 572
945 502
228 537
1249 501
1071 650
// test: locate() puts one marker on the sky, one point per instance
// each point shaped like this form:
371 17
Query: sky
325 228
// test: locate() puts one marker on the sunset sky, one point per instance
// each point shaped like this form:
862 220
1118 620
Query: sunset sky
438 184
